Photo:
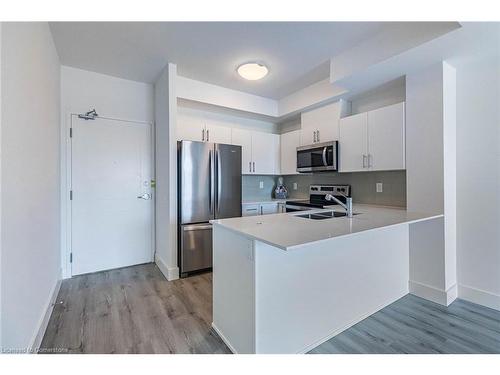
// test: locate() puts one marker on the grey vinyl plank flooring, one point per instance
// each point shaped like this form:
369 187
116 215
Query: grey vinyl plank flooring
136 310
416 326
133 310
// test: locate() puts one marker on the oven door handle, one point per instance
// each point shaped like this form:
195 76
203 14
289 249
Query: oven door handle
324 156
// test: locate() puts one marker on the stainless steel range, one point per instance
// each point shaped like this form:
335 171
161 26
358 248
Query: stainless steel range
317 194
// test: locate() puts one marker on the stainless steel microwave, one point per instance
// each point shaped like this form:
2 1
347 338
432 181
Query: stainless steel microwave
319 157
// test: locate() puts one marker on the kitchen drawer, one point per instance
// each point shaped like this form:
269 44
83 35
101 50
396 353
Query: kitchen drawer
250 209
268 208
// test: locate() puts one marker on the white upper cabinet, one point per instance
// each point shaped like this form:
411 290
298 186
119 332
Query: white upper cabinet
373 141
243 138
353 143
190 128
289 143
386 138
194 128
217 133
264 155
322 124
260 151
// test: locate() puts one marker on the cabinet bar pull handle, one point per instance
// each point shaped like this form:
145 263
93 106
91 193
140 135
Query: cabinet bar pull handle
370 160
254 167
364 161
208 138
317 135
203 135
250 166
314 136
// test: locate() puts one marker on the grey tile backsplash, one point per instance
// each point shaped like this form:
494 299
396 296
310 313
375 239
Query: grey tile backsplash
252 191
363 186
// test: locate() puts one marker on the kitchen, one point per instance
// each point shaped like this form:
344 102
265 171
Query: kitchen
258 212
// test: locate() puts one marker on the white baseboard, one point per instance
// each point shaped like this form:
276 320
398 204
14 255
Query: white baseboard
481 297
36 341
170 273
223 338
443 297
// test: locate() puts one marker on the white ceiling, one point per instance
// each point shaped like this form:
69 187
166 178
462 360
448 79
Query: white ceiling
297 53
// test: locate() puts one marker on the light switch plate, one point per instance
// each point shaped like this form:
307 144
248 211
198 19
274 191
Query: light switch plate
379 187
294 186
261 185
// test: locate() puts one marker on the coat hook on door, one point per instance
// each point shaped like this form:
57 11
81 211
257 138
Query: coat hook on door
90 115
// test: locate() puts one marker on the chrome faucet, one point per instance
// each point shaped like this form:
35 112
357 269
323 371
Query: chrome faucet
347 205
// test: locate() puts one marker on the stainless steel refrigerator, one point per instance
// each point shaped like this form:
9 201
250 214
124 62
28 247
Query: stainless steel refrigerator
209 187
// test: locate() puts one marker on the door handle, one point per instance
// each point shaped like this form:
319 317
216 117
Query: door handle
325 163
219 182
145 196
211 197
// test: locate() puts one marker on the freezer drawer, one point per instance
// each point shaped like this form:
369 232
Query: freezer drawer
196 247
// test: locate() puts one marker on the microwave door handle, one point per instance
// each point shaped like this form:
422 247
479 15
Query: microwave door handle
324 156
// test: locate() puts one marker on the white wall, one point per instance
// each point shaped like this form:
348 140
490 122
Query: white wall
166 172
478 181
30 178
216 95
431 181
387 94
82 91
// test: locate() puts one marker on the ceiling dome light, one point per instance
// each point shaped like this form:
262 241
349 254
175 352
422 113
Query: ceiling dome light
252 71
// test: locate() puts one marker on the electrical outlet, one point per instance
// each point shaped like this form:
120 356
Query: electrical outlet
379 187
261 184
294 186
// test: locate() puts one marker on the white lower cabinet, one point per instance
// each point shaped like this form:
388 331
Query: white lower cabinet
250 209
268 208
265 208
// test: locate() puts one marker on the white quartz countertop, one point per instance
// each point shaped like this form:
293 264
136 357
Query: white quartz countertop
287 231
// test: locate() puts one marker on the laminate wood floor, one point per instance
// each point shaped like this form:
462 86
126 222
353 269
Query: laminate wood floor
133 310
136 310
417 326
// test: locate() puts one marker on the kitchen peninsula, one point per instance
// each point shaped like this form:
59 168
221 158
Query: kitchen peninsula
285 283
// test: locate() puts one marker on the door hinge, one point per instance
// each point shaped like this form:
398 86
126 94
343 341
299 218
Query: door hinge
71 132
71 257
71 195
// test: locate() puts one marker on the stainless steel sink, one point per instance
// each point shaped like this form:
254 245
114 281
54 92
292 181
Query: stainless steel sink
323 215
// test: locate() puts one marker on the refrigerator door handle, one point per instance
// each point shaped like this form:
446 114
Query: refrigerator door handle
211 182
219 182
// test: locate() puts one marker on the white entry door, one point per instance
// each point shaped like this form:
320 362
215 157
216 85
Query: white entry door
112 201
